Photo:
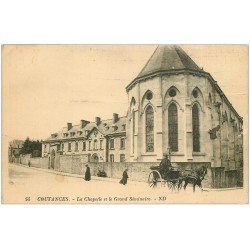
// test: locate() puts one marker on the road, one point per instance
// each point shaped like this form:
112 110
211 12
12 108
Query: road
31 185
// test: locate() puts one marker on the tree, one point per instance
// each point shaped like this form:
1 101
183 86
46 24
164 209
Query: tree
32 147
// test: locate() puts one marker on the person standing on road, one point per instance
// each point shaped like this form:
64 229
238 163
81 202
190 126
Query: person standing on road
29 164
124 179
87 173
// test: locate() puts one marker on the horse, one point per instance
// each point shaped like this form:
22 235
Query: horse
195 178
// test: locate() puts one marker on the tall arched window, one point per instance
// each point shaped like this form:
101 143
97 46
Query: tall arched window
196 128
149 129
133 132
95 144
210 99
173 127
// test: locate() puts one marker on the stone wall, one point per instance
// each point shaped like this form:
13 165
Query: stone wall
137 171
24 159
39 162
71 163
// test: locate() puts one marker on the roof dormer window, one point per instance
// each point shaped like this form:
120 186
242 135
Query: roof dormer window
54 135
115 128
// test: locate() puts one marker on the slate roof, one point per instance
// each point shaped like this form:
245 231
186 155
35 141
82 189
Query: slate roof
168 57
171 59
106 127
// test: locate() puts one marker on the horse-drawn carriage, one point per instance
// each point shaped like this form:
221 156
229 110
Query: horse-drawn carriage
174 177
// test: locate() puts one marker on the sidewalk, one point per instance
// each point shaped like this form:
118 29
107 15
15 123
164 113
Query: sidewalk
73 175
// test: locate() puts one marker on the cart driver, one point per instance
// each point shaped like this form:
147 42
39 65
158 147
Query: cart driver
165 165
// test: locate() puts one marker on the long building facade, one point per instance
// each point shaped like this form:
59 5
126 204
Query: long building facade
99 141
174 108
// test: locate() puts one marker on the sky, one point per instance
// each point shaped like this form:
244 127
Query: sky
46 86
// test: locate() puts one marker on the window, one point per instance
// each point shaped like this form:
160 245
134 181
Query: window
112 158
122 143
115 128
76 146
111 144
62 146
173 127
149 95
58 147
195 93
210 99
89 145
95 144
122 157
196 128
69 146
84 145
149 129
45 149
133 102
133 132
101 144
172 92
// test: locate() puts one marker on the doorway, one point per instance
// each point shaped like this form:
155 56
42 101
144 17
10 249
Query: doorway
95 158
52 161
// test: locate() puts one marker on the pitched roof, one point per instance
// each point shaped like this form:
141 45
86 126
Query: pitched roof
106 127
168 57
172 58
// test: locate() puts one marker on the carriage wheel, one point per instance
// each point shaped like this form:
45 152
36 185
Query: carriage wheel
153 178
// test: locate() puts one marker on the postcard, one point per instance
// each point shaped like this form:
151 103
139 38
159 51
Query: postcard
124 124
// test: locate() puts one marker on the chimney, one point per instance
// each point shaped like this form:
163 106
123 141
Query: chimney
69 125
84 123
115 117
97 120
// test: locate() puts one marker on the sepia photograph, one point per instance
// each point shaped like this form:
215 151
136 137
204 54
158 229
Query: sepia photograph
124 124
